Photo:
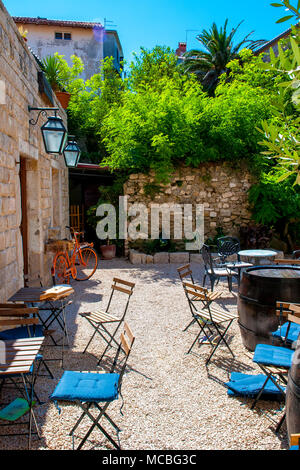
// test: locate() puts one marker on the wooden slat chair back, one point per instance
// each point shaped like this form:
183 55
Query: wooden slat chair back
284 309
100 319
185 271
201 293
295 441
294 316
292 261
126 342
14 315
287 312
210 318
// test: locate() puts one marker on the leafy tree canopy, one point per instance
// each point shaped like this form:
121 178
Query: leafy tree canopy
165 117
218 49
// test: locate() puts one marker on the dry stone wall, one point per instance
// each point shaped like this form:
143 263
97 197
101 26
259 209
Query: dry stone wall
221 188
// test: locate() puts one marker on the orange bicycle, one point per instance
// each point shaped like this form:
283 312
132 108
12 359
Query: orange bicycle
81 265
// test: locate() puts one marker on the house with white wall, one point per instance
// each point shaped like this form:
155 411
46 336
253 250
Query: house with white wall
89 41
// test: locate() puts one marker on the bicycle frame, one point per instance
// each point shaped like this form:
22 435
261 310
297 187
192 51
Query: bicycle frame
71 268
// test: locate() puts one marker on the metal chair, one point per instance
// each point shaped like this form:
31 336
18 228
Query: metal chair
208 317
86 389
296 254
228 246
100 319
215 271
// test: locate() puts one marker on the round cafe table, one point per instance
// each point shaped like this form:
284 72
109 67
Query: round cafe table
258 257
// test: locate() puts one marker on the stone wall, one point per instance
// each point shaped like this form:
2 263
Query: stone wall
22 142
222 189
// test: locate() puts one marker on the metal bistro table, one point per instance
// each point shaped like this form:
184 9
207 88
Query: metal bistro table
258 257
20 357
48 297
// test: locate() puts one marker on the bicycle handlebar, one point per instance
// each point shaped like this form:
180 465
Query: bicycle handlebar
73 231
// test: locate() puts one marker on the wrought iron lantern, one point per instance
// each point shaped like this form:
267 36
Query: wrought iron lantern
72 153
53 131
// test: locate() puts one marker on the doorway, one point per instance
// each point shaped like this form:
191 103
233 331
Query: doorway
24 215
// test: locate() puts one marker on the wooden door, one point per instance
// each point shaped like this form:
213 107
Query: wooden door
24 219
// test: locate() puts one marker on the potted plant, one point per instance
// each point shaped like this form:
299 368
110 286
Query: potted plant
60 75
108 251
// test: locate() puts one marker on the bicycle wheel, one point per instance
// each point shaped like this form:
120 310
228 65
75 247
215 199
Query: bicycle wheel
86 263
60 266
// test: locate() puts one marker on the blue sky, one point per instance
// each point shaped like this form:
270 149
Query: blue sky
149 23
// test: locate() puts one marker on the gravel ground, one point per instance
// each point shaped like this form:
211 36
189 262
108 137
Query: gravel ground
171 399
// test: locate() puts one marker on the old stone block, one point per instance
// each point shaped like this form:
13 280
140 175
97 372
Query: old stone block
135 257
179 258
149 259
143 258
161 258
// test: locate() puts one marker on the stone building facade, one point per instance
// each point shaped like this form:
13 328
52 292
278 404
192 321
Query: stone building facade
33 184
222 189
89 41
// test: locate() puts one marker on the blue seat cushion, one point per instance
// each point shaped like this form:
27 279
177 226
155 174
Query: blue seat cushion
86 387
22 332
267 354
293 333
250 385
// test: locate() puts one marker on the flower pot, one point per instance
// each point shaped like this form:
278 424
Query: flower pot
108 251
63 97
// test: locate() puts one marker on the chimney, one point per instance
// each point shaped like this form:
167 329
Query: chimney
181 49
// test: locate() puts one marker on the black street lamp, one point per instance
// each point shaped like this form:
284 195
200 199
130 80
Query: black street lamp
53 131
72 153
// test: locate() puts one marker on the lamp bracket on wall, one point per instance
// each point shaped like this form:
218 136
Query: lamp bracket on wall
43 112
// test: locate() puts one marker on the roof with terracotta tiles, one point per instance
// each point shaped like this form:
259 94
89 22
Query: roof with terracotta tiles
46 21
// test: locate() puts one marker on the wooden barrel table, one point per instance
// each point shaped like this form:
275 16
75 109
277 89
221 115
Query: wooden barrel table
293 395
260 288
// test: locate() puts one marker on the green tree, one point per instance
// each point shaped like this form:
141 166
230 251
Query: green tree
219 49
155 127
281 138
170 120
277 204
90 102
150 66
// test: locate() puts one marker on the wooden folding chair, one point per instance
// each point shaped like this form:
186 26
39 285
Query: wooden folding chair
208 316
100 319
20 319
17 321
288 330
295 442
183 272
276 361
288 262
87 389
